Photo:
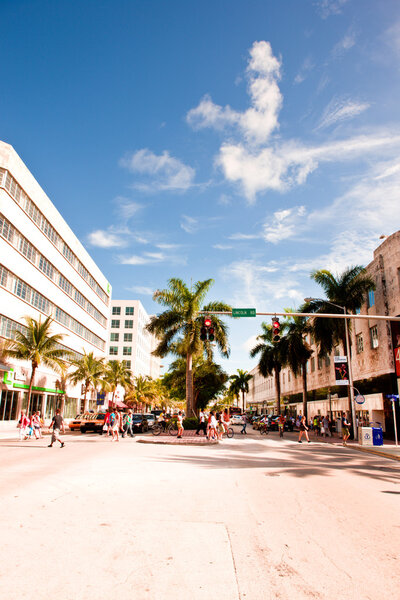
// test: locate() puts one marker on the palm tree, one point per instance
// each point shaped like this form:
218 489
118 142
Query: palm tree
271 358
90 370
345 293
36 345
181 324
297 350
117 373
143 391
240 383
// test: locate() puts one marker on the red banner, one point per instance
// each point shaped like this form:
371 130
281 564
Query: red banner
397 360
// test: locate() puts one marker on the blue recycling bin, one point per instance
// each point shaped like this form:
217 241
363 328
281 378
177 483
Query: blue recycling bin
377 436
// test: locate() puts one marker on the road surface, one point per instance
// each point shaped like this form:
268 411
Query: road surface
252 518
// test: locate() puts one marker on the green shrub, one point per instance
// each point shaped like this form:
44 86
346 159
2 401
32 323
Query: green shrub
190 423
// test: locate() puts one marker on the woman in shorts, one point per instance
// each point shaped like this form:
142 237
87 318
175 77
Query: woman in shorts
303 429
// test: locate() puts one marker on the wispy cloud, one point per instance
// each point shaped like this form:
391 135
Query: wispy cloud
261 118
106 239
127 208
346 43
327 8
284 224
222 247
244 236
189 224
167 172
340 109
141 290
305 68
146 258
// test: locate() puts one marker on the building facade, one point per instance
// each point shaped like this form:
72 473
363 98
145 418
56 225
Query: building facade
373 343
44 271
129 341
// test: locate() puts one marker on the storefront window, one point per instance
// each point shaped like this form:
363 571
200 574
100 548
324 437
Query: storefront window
8 405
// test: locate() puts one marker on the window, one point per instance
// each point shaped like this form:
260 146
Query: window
114 323
358 310
319 362
288 376
128 324
327 361
374 336
312 364
46 267
116 310
127 337
371 298
359 343
65 285
127 363
113 350
114 337
127 351
129 310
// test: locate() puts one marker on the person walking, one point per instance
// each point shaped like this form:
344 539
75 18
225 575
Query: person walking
179 422
202 426
37 425
114 424
345 429
128 424
303 429
212 426
57 423
325 425
22 425
281 425
244 418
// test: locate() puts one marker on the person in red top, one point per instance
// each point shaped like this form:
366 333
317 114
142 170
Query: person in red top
281 425
22 425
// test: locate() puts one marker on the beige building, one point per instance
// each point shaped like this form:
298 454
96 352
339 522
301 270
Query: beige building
373 345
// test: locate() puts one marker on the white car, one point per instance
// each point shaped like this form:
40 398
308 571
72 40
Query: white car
237 420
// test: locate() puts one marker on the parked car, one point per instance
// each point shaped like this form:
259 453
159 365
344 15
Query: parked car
150 418
76 423
236 420
92 422
140 424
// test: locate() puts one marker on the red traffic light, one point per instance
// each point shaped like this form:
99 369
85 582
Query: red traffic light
207 322
276 328
211 335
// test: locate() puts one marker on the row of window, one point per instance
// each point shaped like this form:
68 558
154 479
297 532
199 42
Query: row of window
114 337
17 193
8 327
373 337
24 291
129 310
116 323
14 237
126 351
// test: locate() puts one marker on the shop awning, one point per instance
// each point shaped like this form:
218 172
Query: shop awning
118 404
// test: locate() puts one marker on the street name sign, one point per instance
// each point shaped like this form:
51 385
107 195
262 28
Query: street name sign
243 312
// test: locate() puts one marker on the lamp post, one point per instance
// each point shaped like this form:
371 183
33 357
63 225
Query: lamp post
347 338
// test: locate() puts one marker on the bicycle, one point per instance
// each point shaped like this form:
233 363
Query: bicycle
170 428
228 432
264 429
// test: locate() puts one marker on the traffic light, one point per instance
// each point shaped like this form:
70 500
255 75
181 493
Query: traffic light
211 335
276 330
207 332
203 334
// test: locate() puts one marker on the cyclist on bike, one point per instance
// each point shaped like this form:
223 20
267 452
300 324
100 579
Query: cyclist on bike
161 420
226 419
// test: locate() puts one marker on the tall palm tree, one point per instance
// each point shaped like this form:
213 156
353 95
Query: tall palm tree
240 383
37 345
117 373
90 370
272 358
297 350
181 322
347 291
142 391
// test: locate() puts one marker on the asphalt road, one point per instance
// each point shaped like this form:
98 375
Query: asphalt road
252 518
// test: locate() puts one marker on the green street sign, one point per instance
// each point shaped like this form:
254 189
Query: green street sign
243 312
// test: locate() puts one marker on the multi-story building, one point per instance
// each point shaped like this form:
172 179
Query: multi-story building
128 339
373 344
44 271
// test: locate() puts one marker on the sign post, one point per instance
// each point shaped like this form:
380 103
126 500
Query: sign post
394 398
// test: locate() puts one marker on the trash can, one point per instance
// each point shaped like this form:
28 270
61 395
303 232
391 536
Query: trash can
377 436
366 436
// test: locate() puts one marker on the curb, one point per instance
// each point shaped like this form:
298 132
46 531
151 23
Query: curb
375 452
174 442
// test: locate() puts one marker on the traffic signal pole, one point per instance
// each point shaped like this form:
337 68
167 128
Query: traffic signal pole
300 314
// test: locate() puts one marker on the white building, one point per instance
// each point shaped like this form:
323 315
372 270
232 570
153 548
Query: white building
44 270
128 339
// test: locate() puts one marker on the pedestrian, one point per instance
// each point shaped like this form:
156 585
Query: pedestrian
316 425
114 424
345 429
57 423
281 425
226 419
244 418
179 422
22 425
106 423
325 425
298 420
303 429
128 424
37 425
202 426
220 427
212 426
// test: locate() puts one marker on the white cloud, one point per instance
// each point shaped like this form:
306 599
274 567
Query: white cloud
189 224
392 37
243 236
145 259
339 110
343 45
127 208
141 289
261 118
168 172
284 224
222 247
327 8
305 68
250 343
105 239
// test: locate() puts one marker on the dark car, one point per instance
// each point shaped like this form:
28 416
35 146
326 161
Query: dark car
140 423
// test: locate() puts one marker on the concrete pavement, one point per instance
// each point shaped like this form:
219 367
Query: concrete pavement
252 518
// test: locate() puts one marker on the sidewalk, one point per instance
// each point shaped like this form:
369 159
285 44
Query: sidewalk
388 450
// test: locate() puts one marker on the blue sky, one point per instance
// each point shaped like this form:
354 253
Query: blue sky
243 140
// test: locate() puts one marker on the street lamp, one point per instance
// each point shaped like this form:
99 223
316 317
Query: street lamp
346 329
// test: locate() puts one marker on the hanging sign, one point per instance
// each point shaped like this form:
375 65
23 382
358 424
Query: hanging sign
341 370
